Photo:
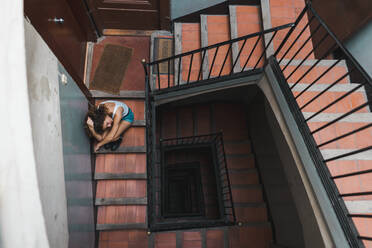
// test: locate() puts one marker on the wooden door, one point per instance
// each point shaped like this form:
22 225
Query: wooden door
130 14
67 34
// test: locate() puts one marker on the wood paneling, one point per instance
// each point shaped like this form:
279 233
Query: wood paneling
130 14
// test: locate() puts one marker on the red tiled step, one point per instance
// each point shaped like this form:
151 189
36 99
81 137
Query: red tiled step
246 20
121 189
247 195
128 239
284 12
215 238
121 215
134 136
241 177
192 240
121 163
357 140
254 212
187 38
330 77
215 29
348 103
259 235
165 240
241 147
240 162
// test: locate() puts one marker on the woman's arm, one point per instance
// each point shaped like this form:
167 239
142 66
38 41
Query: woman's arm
90 125
111 134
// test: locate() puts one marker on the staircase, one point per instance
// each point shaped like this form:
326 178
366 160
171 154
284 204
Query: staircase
121 195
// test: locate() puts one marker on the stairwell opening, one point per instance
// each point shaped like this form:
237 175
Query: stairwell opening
191 184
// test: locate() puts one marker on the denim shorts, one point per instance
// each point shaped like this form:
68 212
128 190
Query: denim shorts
129 117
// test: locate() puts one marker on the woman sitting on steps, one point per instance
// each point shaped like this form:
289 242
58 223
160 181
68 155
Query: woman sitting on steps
107 124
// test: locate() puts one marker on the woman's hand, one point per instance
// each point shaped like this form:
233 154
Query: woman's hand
90 122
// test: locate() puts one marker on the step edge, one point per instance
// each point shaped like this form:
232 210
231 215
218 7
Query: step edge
113 176
126 226
124 201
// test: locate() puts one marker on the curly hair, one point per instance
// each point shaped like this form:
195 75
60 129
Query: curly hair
98 117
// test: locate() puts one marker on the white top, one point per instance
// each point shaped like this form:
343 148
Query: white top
118 104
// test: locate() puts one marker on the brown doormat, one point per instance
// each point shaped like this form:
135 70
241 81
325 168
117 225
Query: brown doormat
111 69
163 49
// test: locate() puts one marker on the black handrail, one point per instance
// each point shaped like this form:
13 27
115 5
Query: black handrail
300 103
166 80
228 42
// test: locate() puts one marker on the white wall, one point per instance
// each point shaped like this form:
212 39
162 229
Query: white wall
22 223
42 76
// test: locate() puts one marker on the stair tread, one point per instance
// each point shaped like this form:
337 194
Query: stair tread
121 188
215 29
134 163
121 214
121 201
244 20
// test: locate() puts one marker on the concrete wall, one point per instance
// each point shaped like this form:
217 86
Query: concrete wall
285 218
360 47
22 221
42 77
180 8
77 165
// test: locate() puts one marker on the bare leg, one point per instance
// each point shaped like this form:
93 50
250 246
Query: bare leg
123 126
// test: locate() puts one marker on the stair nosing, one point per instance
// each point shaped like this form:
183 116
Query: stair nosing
243 170
113 176
256 223
124 94
246 186
125 149
126 226
249 204
124 201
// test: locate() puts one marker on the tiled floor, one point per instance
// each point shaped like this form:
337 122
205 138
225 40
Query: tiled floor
134 78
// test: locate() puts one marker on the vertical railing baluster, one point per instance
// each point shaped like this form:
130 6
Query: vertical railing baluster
168 73
224 61
237 57
158 71
303 45
201 64
188 77
250 54
264 51
179 70
214 59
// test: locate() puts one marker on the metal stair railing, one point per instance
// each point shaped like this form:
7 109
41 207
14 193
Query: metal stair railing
296 80
195 60
309 30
